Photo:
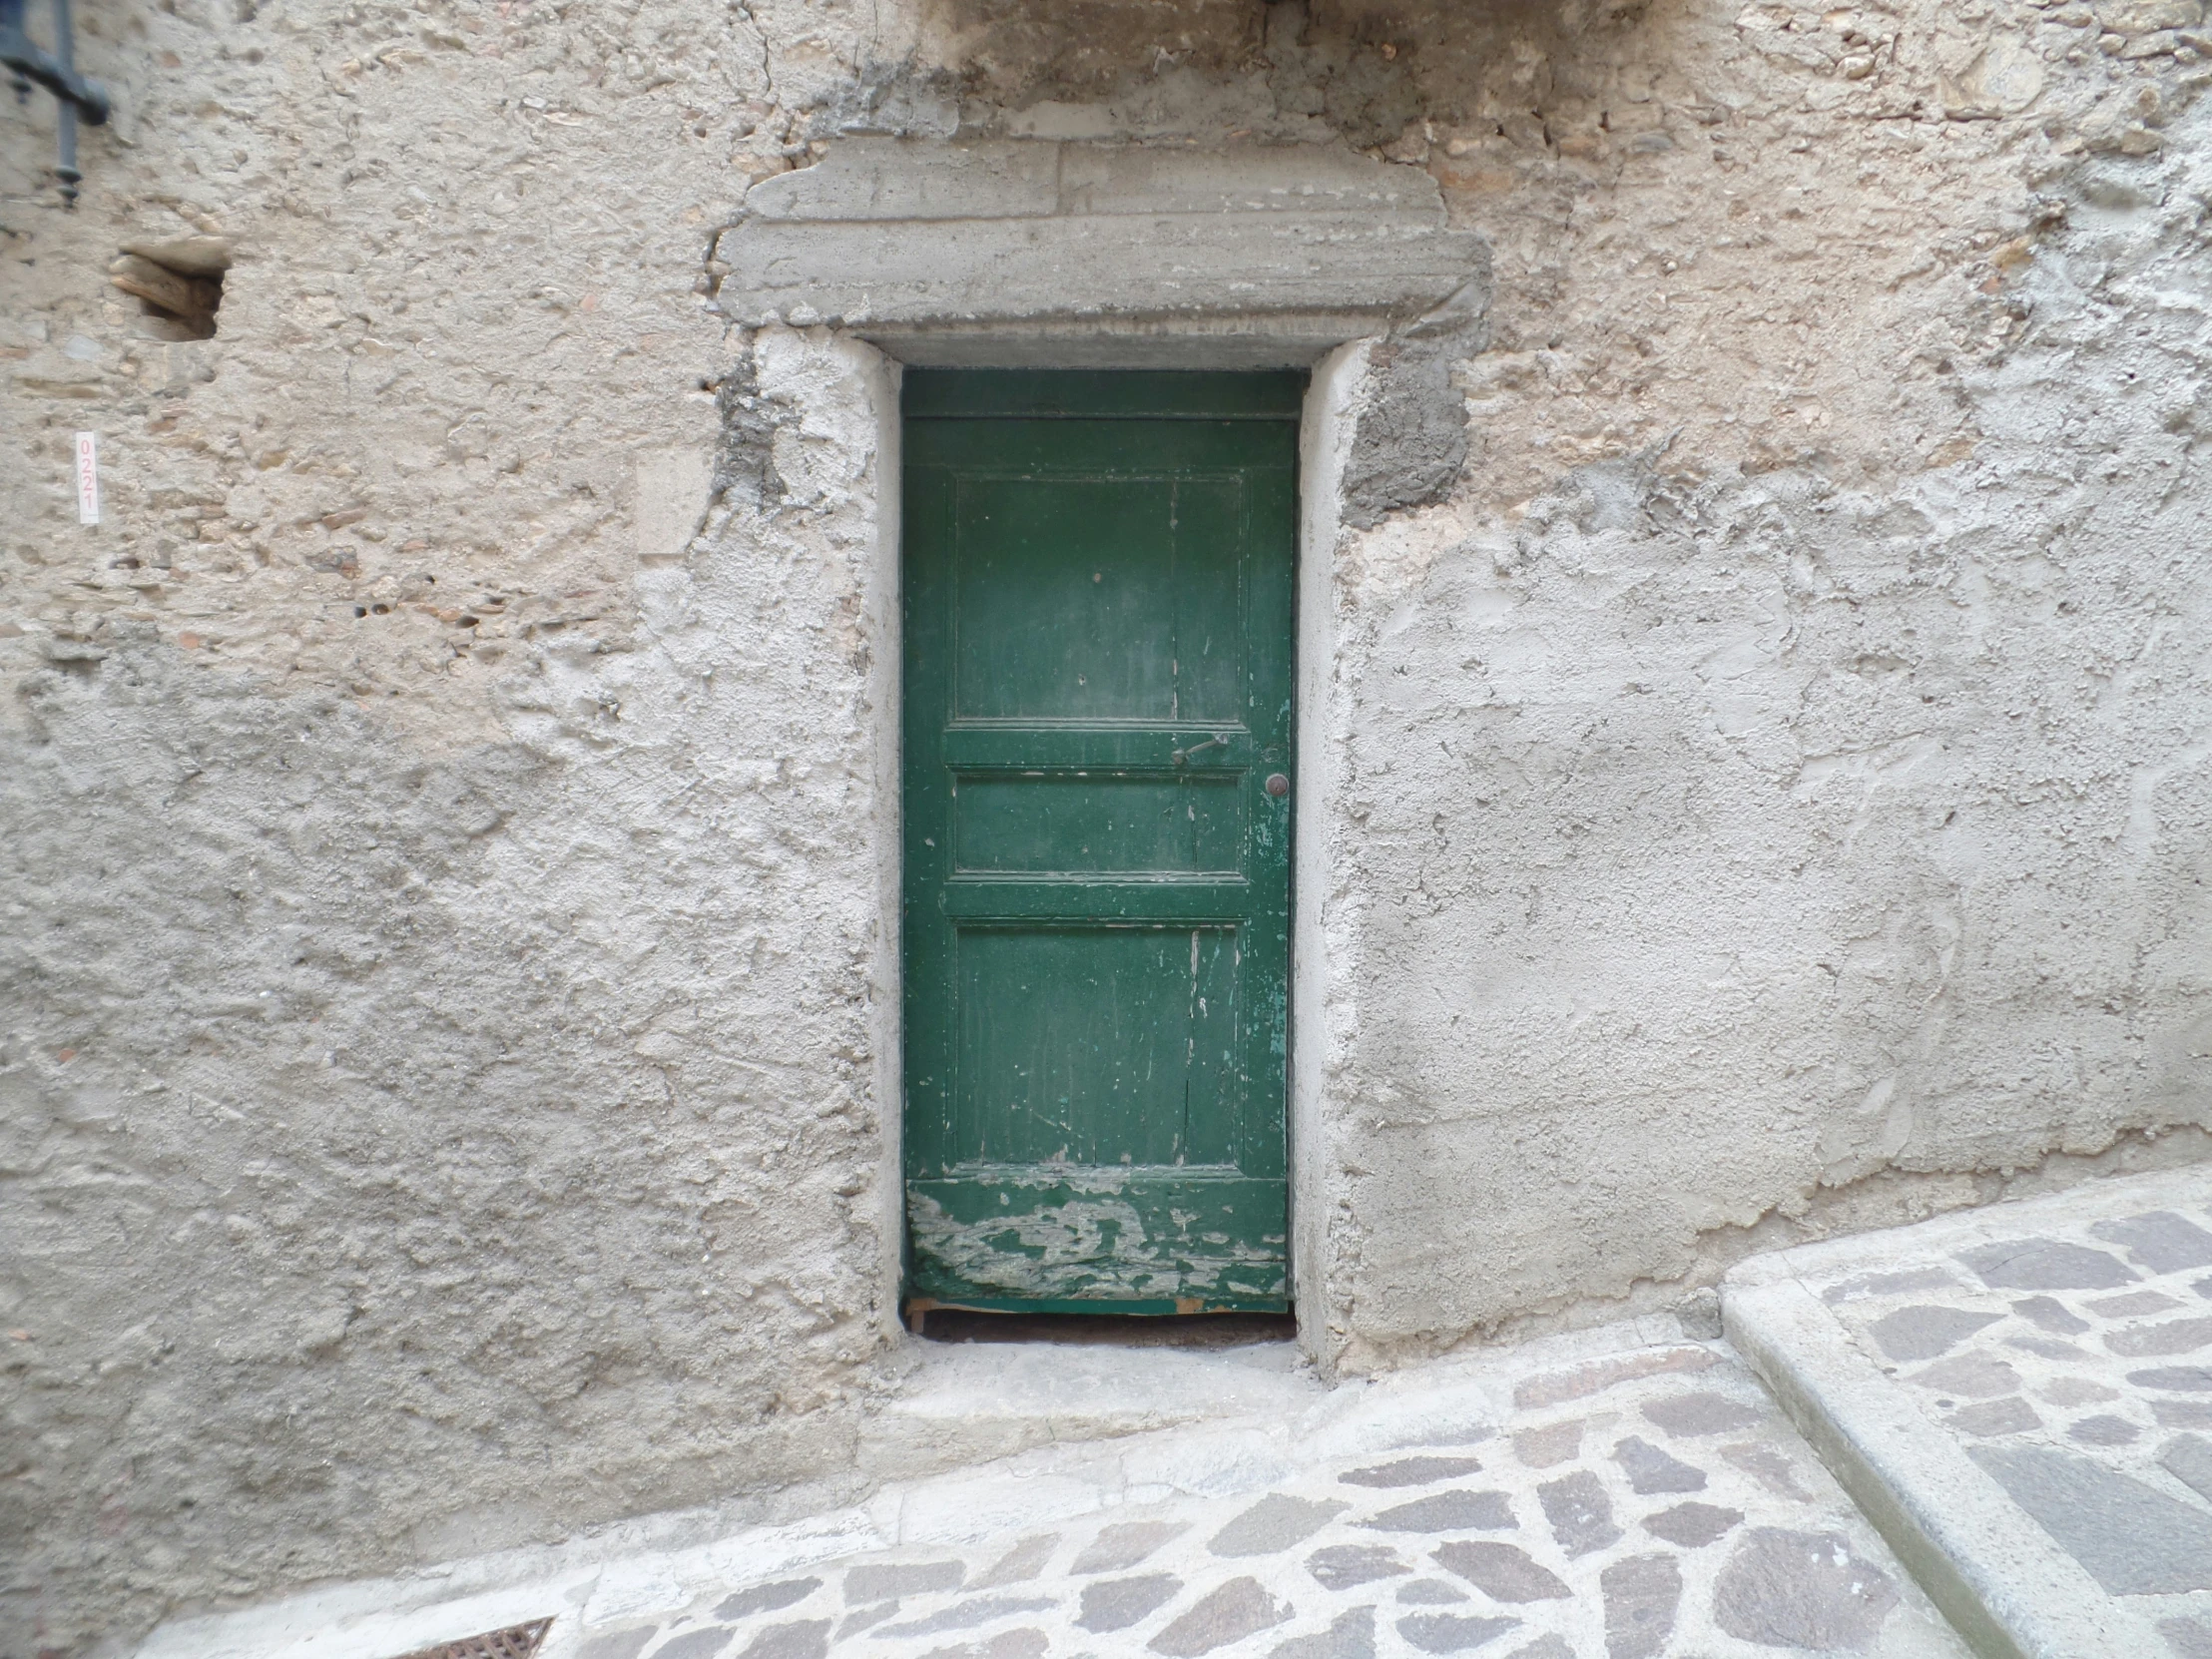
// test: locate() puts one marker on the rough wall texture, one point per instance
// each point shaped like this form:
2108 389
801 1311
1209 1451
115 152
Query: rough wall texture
443 961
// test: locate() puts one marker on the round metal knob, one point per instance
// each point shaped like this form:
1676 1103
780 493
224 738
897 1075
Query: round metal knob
1277 785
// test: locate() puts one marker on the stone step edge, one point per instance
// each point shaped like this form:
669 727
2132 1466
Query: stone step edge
2010 1592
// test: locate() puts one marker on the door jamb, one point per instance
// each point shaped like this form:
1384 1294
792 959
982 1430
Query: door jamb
1326 428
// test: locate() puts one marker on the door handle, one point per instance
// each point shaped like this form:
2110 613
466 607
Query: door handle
1220 741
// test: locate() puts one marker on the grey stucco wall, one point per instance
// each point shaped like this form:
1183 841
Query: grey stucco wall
447 1022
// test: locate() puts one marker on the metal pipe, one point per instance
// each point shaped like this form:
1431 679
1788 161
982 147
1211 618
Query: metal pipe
65 119
31 62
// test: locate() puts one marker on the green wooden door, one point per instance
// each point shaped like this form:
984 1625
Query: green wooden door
1098 613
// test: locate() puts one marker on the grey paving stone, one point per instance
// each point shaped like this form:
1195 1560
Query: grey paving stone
966 1615
2047 1265
1692 1525
1580 1514
1781 1589
1975 1376
1542 1448
702 1643
884 1580
2051 1314
1429 1592
1769 1468
1641 1595
2182 1414
1501 1571
1412 1472
2009 1415
1344 1566
1553 1646
766 1598
1556 1387
2077 1390
1923 1331
2203 1287
2188 1638
1118 1603
618 1644
2173 1337
800 1639
2188 1459
1352 1636
1653 1471
867 1618
2048 1347
1454 1512
1025 1643
1451 1632
1275 1524
1021 1563
2178 1379
1691 1416
1229 1614
2134 1306
1123 1546
2162 1240
2103 1431
1888 1284
2133 1538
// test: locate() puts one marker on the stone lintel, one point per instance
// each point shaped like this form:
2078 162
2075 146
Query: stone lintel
890 236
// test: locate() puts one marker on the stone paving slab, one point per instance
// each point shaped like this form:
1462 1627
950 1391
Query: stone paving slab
1631 1505
2022 1397
1616 1494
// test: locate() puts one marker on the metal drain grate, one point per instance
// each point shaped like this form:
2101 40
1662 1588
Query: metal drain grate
517 1641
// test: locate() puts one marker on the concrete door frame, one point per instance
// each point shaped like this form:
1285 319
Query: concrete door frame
1326 429
1051 254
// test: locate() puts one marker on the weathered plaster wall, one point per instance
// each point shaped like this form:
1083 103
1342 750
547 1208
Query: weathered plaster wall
445 1019
442 942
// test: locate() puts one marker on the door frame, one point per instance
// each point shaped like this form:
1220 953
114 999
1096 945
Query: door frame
1335 397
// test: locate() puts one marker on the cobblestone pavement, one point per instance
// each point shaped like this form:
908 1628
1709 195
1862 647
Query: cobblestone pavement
1626 1505
2072 1361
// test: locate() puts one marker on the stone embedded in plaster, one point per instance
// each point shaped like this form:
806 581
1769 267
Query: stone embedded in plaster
2045 1264
1412 1471
2133 1538
1231 1613
1923 1332
1350 1636
1122 1545
1452 1511
1503 1572
1580 1514
2162 1240
1275 1524
1642 1596
1343 1566
1781 1589
886 233
766 1598
1451 1632
1117 1603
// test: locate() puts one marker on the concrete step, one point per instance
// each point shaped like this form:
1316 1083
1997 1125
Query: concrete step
2020 1398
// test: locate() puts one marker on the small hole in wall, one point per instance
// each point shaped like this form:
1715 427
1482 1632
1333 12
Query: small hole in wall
178 283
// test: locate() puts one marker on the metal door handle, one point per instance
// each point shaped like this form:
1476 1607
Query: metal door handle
1222 740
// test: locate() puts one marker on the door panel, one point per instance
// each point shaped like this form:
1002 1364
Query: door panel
1098 620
